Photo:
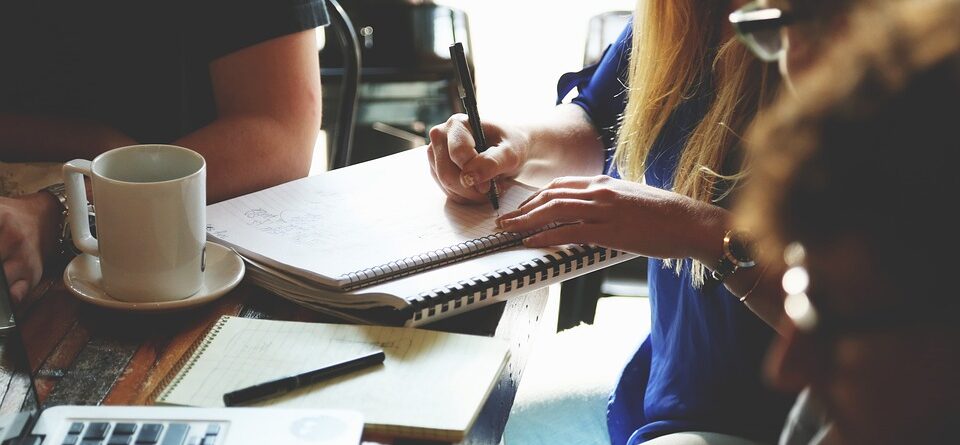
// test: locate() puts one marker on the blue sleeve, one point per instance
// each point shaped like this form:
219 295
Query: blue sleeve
602 89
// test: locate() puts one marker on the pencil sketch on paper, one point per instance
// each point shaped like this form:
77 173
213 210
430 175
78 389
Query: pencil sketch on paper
301 226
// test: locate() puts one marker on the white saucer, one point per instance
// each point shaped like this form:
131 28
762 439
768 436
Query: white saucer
224 270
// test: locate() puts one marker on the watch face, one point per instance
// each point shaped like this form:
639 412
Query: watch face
741 248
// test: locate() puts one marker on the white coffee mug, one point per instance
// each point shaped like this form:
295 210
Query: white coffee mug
151 219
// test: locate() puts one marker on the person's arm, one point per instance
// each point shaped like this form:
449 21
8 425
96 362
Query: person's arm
766 297
569 140
268 116
31 138
642 219
28 233
760 285
567 144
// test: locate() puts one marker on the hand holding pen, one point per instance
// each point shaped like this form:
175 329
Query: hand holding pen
469 99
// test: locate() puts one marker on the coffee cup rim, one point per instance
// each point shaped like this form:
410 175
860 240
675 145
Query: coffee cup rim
198 171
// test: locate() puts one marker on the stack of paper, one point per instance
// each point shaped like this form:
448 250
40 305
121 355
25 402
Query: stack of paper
381 238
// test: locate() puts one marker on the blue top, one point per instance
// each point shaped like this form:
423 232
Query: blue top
700 368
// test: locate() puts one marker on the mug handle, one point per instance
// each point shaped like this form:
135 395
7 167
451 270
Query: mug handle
79 216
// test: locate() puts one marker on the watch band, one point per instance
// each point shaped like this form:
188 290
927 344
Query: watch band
723 269
59 191
64 238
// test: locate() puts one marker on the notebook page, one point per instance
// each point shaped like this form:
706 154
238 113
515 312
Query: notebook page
351 219
430 381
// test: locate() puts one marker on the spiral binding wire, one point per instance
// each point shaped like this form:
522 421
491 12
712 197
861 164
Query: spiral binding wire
430 260
433 259
187 361
481 288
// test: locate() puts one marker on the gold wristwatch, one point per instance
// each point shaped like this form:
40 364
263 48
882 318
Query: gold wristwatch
737 254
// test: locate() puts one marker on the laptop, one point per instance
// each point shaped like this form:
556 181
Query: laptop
155 425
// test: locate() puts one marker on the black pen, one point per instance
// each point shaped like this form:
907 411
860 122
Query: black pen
468 96
283 385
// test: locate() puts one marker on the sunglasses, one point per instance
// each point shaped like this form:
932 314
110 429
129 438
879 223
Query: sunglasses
759 27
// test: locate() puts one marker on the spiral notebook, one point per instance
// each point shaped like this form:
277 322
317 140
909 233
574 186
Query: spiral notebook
380 241
431 385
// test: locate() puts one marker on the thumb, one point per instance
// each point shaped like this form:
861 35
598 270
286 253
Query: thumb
496 161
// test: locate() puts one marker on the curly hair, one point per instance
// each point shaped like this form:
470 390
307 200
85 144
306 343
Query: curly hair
869 148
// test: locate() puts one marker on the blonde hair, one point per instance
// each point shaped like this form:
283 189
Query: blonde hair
677 55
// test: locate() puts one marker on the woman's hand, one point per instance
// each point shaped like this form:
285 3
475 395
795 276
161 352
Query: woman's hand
464 174
622 215
27 235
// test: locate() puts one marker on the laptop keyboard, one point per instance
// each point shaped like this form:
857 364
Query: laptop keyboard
142 433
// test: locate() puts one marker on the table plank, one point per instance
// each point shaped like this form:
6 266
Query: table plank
94 372
16 396
60 359
97 352
518 325
13 381
160 353
59 313
83 354
516 321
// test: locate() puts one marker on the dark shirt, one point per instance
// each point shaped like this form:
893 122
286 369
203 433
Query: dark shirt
700 367
140 67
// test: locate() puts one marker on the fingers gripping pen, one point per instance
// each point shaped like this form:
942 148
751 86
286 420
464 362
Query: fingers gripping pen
469 99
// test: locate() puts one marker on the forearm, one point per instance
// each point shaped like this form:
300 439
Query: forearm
31 138
249 153
761 286
268 103
760 283
766 300
563 143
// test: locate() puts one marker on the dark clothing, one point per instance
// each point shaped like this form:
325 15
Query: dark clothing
700 368
139 67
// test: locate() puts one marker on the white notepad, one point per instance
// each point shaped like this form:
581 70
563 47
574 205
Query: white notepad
360 225
430 386
383 235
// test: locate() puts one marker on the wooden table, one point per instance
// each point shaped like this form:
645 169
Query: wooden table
86 355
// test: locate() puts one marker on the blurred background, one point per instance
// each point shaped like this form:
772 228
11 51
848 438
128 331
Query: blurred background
518 49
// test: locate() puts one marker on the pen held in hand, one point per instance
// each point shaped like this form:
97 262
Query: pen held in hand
468 97
274 388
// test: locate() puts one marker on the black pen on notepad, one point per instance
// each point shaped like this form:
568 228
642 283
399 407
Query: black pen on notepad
468 96
273 388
